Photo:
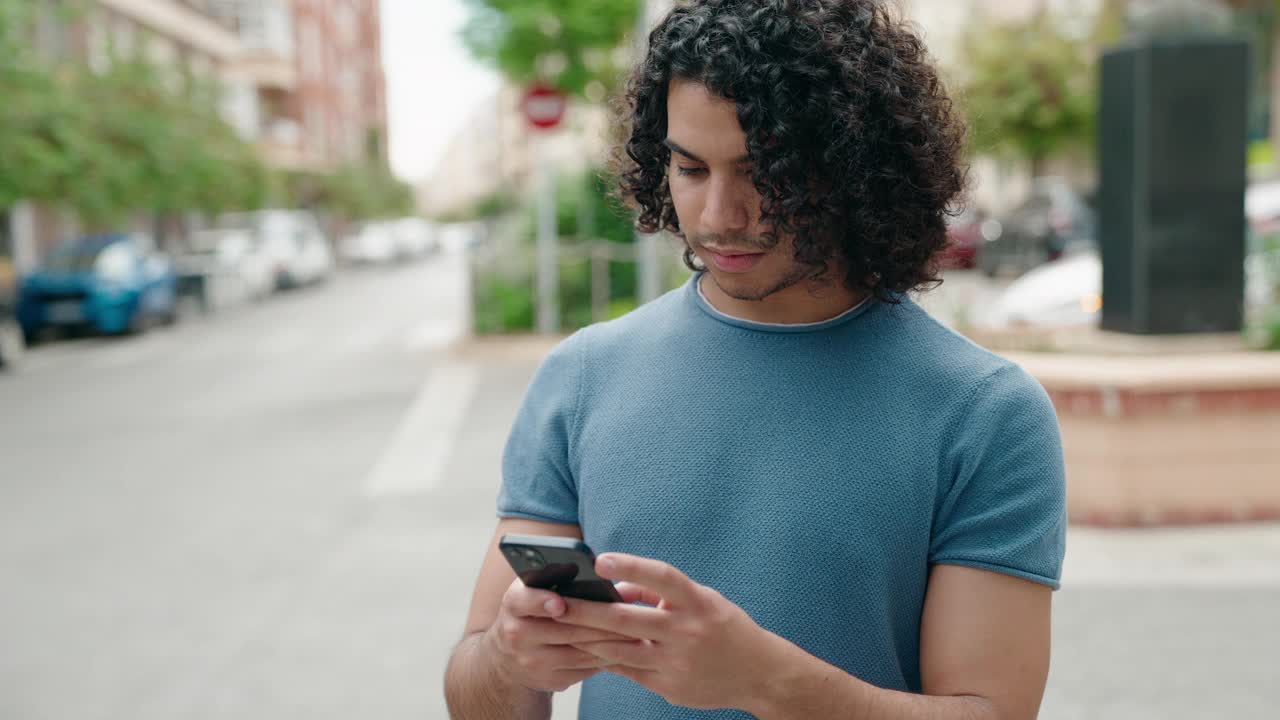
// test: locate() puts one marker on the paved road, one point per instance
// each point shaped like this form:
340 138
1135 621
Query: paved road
278 513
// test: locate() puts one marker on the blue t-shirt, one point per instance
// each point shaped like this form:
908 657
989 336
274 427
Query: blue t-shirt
811 474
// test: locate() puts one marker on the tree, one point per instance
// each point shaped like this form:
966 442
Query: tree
130 138
33 130
1028 88
365 190
571 44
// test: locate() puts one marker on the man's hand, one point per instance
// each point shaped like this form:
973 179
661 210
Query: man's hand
691 646
532 650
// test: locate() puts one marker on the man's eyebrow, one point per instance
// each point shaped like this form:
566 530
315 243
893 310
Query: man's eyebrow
676 147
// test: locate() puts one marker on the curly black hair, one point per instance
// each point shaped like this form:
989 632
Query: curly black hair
857 149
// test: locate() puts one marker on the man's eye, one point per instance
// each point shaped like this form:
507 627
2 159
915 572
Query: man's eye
689 171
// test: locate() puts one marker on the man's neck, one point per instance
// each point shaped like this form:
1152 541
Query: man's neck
805 302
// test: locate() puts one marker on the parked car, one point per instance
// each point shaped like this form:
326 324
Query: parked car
110 283
1052 221
370 243
297 253
1068 292
223 268
1065 293
964 239
315 259
387 241
236 252
11 342
415 237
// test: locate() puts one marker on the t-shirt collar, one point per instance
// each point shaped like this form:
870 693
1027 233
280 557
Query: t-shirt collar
694 291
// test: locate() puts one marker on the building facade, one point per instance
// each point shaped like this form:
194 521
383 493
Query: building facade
340 102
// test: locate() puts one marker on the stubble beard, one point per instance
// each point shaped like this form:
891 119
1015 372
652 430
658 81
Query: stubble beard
795 276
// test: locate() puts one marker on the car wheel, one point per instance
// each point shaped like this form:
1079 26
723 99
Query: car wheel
12 345
139 322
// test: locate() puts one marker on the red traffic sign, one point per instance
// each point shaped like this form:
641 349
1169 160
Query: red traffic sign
544 106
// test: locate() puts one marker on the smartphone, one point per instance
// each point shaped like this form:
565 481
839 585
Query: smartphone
562 565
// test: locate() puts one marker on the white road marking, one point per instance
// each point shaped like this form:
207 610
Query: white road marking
433 335
414 459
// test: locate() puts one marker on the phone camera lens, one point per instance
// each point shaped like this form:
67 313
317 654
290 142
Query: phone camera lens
534 558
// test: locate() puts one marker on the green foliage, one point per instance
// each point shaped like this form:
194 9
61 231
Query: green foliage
1029 87
135 137
1261 153
505 302
503 305
621 307
147 146
567 43
365 190
493 205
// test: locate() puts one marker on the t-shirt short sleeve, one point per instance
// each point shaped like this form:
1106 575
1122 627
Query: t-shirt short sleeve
537 473
1005 510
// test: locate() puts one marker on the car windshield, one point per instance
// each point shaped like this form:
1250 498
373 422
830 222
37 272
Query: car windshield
74 256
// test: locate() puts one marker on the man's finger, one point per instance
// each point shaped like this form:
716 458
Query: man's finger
668 582
633 593
524 601
550 632
570 658
643 678
632 621
639 654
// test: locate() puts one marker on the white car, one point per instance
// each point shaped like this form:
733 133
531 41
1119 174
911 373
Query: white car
233 254
1065 293
296 251
1068 292
315 261
370 243
414 237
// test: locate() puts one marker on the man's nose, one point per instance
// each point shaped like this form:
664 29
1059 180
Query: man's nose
725 210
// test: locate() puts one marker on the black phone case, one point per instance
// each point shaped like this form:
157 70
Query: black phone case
561 565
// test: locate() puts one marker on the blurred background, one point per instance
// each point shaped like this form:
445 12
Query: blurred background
274 275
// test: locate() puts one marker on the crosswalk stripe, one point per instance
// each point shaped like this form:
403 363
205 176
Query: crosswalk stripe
415 458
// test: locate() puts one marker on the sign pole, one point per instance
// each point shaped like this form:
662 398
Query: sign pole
548 246
544 109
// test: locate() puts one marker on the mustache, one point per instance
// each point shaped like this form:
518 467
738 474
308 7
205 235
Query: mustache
739 241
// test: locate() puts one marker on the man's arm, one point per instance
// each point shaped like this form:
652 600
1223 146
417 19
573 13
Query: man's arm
475 690
984 655
477 687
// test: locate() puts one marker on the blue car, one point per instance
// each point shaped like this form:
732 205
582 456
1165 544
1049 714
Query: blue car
109 283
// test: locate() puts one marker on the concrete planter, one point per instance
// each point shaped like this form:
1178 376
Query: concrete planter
1167 440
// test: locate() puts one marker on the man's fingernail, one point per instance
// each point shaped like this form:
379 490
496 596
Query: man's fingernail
553 607
608 566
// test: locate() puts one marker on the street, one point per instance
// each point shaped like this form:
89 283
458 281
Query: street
278 512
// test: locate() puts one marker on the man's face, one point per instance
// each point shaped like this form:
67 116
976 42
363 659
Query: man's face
715 200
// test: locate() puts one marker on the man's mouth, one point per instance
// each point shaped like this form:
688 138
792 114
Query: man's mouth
734 261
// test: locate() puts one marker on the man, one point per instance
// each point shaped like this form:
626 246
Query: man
820 503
